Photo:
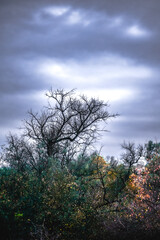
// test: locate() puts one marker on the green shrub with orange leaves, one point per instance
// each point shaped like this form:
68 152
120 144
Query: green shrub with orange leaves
87 198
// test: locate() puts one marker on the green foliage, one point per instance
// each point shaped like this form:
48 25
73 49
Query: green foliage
86 198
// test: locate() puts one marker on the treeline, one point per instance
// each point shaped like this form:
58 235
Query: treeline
52 187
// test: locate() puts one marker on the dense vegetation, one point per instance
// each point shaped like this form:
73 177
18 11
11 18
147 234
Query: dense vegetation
53 187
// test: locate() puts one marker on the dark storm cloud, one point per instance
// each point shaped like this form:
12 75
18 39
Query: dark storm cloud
32 33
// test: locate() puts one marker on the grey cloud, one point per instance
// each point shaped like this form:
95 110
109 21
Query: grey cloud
16 77
24 41
76 41
15 107
139 119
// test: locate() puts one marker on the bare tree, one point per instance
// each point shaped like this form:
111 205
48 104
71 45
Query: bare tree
66 120
21 154
131 156
132 153
66 126
14 153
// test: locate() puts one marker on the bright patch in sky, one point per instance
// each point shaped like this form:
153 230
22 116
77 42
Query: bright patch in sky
136 31
115 22
71 18
94 71
109 94
56 11
77 18
74 17
106 75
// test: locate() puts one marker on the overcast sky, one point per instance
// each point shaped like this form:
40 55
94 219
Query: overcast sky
107 48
